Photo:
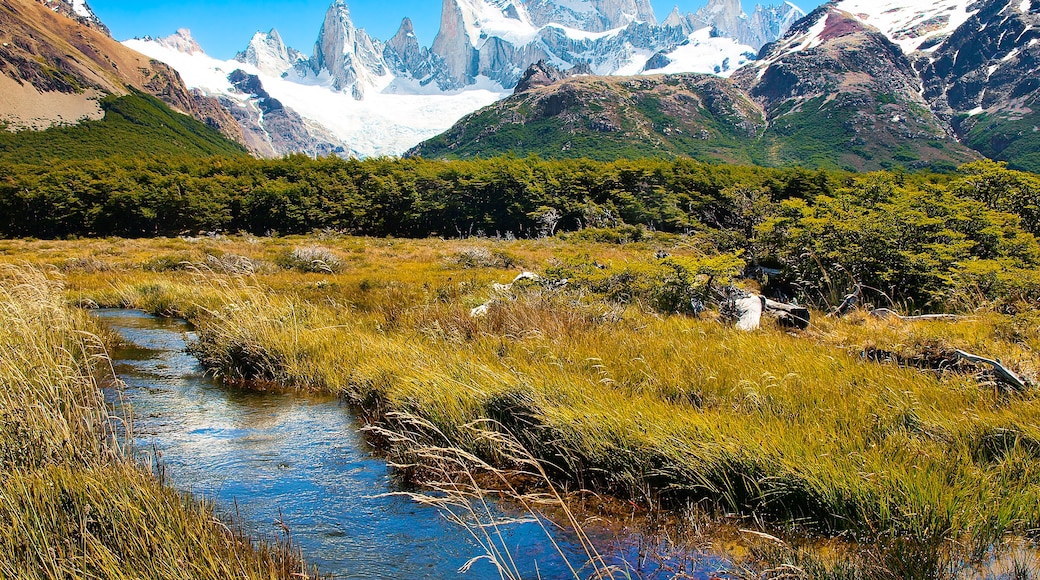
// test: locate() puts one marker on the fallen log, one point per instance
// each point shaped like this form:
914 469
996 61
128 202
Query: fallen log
1002 373
748 313
847 304
788 315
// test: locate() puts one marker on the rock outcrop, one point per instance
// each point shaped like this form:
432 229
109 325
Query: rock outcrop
348 54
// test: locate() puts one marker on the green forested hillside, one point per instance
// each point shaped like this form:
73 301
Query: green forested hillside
135 124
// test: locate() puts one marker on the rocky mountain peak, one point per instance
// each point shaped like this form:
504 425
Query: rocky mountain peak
347 54
412 63
542 74
674 19
268 53
590 15
181 41
78 10
764 25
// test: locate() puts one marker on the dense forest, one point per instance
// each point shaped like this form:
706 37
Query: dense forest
912 236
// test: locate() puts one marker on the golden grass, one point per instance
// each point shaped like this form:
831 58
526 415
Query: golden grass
73 502
927 469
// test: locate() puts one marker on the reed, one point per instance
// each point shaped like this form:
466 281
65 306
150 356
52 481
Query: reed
74 502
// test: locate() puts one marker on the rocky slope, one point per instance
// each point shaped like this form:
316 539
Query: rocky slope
57 61
988 85
838 92
563 116
835 92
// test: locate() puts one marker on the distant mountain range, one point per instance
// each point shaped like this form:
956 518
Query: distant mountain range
858 84
356 95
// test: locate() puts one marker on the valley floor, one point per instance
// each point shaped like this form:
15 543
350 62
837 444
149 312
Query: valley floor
923 469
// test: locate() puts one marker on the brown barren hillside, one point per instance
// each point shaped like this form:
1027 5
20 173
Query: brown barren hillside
54 68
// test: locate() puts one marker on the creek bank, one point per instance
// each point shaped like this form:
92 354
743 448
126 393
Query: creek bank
298 461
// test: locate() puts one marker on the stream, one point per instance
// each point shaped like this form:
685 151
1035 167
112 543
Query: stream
300 459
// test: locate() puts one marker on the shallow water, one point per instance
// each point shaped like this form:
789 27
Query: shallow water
300 460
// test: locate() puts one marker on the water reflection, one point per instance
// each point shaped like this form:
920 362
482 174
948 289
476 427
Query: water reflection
300 459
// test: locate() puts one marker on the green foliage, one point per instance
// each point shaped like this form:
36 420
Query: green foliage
905 242
135 124
1013 138
911 237
671 285
1002 189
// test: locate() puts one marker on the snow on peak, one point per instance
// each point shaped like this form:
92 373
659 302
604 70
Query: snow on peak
81 9
268 53
381 124
707 54
504 19
911 24
181 42
674 19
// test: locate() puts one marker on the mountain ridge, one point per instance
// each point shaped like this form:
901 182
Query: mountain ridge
862 85
481 50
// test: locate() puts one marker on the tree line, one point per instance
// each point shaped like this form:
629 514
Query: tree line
903 233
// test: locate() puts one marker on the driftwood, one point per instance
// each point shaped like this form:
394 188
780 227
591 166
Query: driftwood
789 315
749 310
847 304
885 313
1003 374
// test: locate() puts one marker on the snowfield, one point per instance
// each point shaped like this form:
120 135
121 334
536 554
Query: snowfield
911 24
384 123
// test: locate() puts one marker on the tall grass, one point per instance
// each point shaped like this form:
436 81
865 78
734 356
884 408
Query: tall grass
73 502
923 471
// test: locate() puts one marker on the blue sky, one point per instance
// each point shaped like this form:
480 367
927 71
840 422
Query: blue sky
225 28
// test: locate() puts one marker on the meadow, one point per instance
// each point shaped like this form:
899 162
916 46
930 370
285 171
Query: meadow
862 431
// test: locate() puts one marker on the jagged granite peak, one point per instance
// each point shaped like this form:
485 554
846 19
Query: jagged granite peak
405 48
764 25
415 67
352 59
181 41
768 23
269 54
675 19
454 45
590 15
78 10
840 84
726 15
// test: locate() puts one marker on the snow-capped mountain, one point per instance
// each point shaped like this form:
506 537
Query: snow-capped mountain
912 25
376 98
77 10
268 53
331 121
348 55
764 25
